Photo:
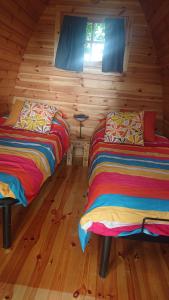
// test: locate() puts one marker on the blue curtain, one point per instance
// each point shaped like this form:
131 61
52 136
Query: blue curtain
70 52
113 54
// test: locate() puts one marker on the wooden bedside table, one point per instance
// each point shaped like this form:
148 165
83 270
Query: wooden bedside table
78 143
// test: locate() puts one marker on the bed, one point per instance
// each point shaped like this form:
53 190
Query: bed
27 159
128 193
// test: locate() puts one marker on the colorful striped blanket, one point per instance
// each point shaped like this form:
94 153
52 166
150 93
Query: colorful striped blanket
27 159
127 183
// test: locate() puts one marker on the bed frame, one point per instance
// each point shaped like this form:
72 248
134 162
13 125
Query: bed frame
107 240
6 205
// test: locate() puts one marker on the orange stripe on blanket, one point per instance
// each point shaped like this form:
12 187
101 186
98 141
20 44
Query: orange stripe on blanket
32 137
130 150
125 190
31 184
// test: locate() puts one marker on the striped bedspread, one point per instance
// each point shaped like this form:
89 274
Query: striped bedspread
27 159
126 184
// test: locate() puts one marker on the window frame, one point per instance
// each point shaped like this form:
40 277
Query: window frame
96 69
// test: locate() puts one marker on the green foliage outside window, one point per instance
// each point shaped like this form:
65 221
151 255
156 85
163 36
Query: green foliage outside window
95 35
89 30
99 32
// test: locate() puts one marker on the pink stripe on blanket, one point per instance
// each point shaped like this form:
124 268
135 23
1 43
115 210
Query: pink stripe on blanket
128 180
27 168
100 229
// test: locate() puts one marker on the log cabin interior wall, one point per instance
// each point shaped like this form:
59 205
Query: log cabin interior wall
91 93
17 21
157 14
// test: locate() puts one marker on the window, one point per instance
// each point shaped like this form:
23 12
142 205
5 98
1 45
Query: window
94 45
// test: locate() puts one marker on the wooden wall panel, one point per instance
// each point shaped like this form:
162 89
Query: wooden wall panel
17 21
90 92
157 14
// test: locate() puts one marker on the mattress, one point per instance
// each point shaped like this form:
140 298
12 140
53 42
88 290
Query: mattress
28 158
126 184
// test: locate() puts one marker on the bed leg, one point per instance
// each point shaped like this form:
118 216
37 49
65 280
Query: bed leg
105 256
6 218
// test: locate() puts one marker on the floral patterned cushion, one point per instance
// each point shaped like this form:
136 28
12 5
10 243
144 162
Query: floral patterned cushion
36 117
125 128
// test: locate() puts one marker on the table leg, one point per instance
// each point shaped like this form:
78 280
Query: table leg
69 155
85 154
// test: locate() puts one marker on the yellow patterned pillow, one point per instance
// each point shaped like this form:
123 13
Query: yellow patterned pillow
125 128
36 117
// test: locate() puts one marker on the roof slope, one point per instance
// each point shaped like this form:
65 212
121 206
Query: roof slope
157 15
17 21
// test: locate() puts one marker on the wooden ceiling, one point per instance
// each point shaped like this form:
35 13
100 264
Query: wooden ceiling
157 15
17 21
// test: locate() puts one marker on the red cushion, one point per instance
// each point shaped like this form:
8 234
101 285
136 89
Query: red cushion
2 120
149 126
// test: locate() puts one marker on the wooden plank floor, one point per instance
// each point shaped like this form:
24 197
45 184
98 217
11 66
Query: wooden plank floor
46 261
